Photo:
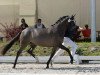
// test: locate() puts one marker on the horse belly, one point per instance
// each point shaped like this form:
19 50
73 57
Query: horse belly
45 42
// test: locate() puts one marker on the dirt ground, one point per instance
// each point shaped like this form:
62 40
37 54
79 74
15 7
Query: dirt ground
30 69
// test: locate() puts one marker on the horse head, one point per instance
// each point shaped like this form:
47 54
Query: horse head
73 28
72 21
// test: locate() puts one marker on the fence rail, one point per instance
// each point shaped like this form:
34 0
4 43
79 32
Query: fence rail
43 59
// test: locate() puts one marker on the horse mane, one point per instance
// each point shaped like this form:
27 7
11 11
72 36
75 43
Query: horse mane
58 25
60 20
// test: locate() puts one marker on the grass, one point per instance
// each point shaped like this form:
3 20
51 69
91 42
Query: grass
84 48
38 50
89 49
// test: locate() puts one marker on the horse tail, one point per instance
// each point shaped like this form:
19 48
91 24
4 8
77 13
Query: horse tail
9 45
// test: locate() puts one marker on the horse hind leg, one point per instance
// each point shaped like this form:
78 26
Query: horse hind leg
22 47
30 51
64 48
18 53
24 41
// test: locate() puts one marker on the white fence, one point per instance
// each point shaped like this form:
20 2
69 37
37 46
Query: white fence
30 59
43 59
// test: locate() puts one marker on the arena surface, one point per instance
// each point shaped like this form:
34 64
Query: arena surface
32 68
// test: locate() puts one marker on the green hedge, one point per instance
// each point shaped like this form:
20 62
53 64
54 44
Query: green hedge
84 48
89 49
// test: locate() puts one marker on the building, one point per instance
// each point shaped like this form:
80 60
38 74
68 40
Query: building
48 10
11 10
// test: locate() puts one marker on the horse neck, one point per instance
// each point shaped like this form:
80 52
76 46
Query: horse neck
62 28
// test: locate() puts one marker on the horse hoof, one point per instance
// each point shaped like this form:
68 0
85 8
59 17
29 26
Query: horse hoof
71 62
13 67
47 67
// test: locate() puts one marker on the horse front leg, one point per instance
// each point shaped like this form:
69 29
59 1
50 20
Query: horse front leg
64 48
52 54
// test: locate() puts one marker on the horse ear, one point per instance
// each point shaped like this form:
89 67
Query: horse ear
74 15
